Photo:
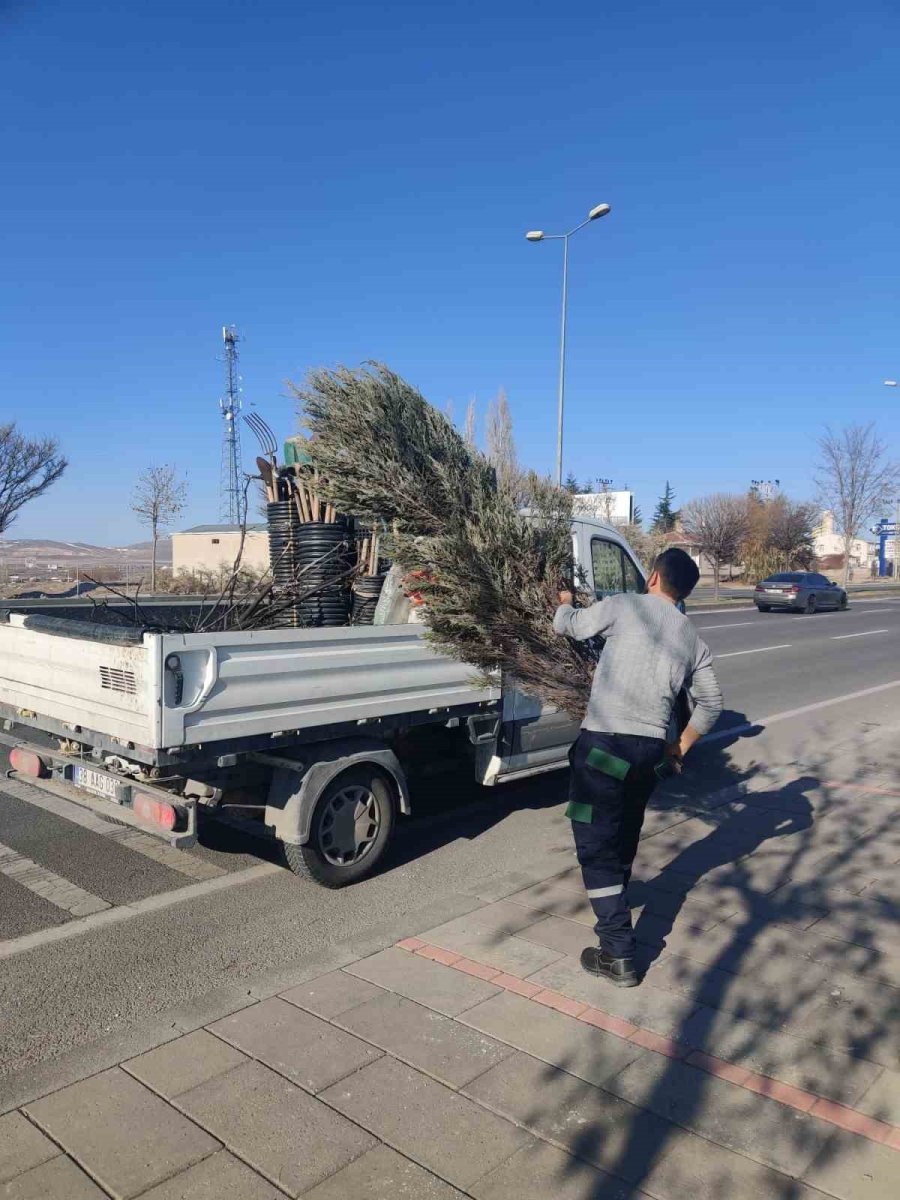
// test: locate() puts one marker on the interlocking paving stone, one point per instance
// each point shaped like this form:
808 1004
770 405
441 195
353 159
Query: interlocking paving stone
331 994
862 1017
428 983
562 1041
280 1130
587 1121
442 1130
219 1177
306 1049
124 1135
729 1115
21 1146
853 1168
558 933
777 992
185 1063
506 952
806 1065
502 916
383 1174
882 1100
648 1006
541 1171
691 1167
424 1038
58 1179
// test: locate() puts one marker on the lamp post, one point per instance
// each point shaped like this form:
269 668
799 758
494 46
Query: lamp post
896 383
538 235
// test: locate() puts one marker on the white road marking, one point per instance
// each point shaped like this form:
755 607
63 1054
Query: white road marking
734 625
60 805
866 633
758 650
763 722
127 912
718 612
43 882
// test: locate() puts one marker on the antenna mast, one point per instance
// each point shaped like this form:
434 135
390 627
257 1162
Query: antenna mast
231 497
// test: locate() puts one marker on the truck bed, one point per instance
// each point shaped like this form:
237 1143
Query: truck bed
161 693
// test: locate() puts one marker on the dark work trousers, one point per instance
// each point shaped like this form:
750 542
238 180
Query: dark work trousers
612 779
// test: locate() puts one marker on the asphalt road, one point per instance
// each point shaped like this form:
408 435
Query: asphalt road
172 926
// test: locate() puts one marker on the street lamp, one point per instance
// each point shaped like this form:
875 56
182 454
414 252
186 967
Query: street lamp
892 383
538 235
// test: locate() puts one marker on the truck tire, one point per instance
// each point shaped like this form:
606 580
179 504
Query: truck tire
350 831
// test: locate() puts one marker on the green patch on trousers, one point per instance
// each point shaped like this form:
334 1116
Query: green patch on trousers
609 764
579 812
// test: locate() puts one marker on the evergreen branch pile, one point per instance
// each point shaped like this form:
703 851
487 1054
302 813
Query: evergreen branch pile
489 573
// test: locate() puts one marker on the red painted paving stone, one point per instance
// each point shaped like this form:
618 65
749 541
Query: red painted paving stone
520 986
446 957
477 969
662 1045
410 943
718 1067
893 1139
851 1120
563 1004
784 1093
622 1029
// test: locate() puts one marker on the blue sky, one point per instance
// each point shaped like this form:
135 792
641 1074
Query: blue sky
348 181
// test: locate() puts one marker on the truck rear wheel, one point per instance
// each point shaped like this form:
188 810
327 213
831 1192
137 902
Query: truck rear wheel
351 828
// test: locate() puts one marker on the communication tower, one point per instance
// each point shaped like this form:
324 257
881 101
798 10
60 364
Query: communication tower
231 491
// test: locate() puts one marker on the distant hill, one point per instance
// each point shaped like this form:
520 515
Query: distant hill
44 551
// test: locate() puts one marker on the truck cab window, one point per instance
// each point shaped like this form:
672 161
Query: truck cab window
606 561
634 581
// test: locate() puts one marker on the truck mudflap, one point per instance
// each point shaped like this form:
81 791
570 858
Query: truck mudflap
140 805
298 783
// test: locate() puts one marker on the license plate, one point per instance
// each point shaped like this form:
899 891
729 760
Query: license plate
99 784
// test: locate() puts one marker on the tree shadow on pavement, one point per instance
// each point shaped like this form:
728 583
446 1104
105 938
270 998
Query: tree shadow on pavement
790 978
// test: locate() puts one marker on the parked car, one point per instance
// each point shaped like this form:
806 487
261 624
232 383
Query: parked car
800 591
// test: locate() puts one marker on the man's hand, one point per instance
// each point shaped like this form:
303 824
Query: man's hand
675 755
566 597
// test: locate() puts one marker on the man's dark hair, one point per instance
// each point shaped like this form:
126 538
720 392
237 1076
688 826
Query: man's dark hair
678 572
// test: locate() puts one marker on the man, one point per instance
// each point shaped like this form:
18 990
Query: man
652 651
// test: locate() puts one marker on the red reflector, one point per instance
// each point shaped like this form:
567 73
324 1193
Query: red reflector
155 812
27 762
759 588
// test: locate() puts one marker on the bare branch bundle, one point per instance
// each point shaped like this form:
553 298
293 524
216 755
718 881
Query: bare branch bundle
489 573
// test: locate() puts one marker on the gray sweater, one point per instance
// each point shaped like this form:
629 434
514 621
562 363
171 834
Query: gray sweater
652 651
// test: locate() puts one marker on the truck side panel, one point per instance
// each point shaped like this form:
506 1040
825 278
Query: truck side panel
238 685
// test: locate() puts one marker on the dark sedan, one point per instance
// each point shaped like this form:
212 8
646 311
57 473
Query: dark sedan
800 591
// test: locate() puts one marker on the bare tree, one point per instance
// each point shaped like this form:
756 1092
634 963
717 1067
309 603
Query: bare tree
28 467
471 430
159 496
854 477
501 446
718 524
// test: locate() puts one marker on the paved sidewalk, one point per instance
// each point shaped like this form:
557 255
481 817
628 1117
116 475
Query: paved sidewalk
759 1059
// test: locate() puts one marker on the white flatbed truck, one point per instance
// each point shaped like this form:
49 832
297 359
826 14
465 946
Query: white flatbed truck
307 729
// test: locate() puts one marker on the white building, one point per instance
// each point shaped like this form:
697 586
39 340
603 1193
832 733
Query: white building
827 543
615 508
212 547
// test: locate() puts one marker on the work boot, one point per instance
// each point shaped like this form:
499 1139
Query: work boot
620 972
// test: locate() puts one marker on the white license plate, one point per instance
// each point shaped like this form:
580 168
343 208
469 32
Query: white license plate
99 784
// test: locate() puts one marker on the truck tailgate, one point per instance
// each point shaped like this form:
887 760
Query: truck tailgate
106 685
